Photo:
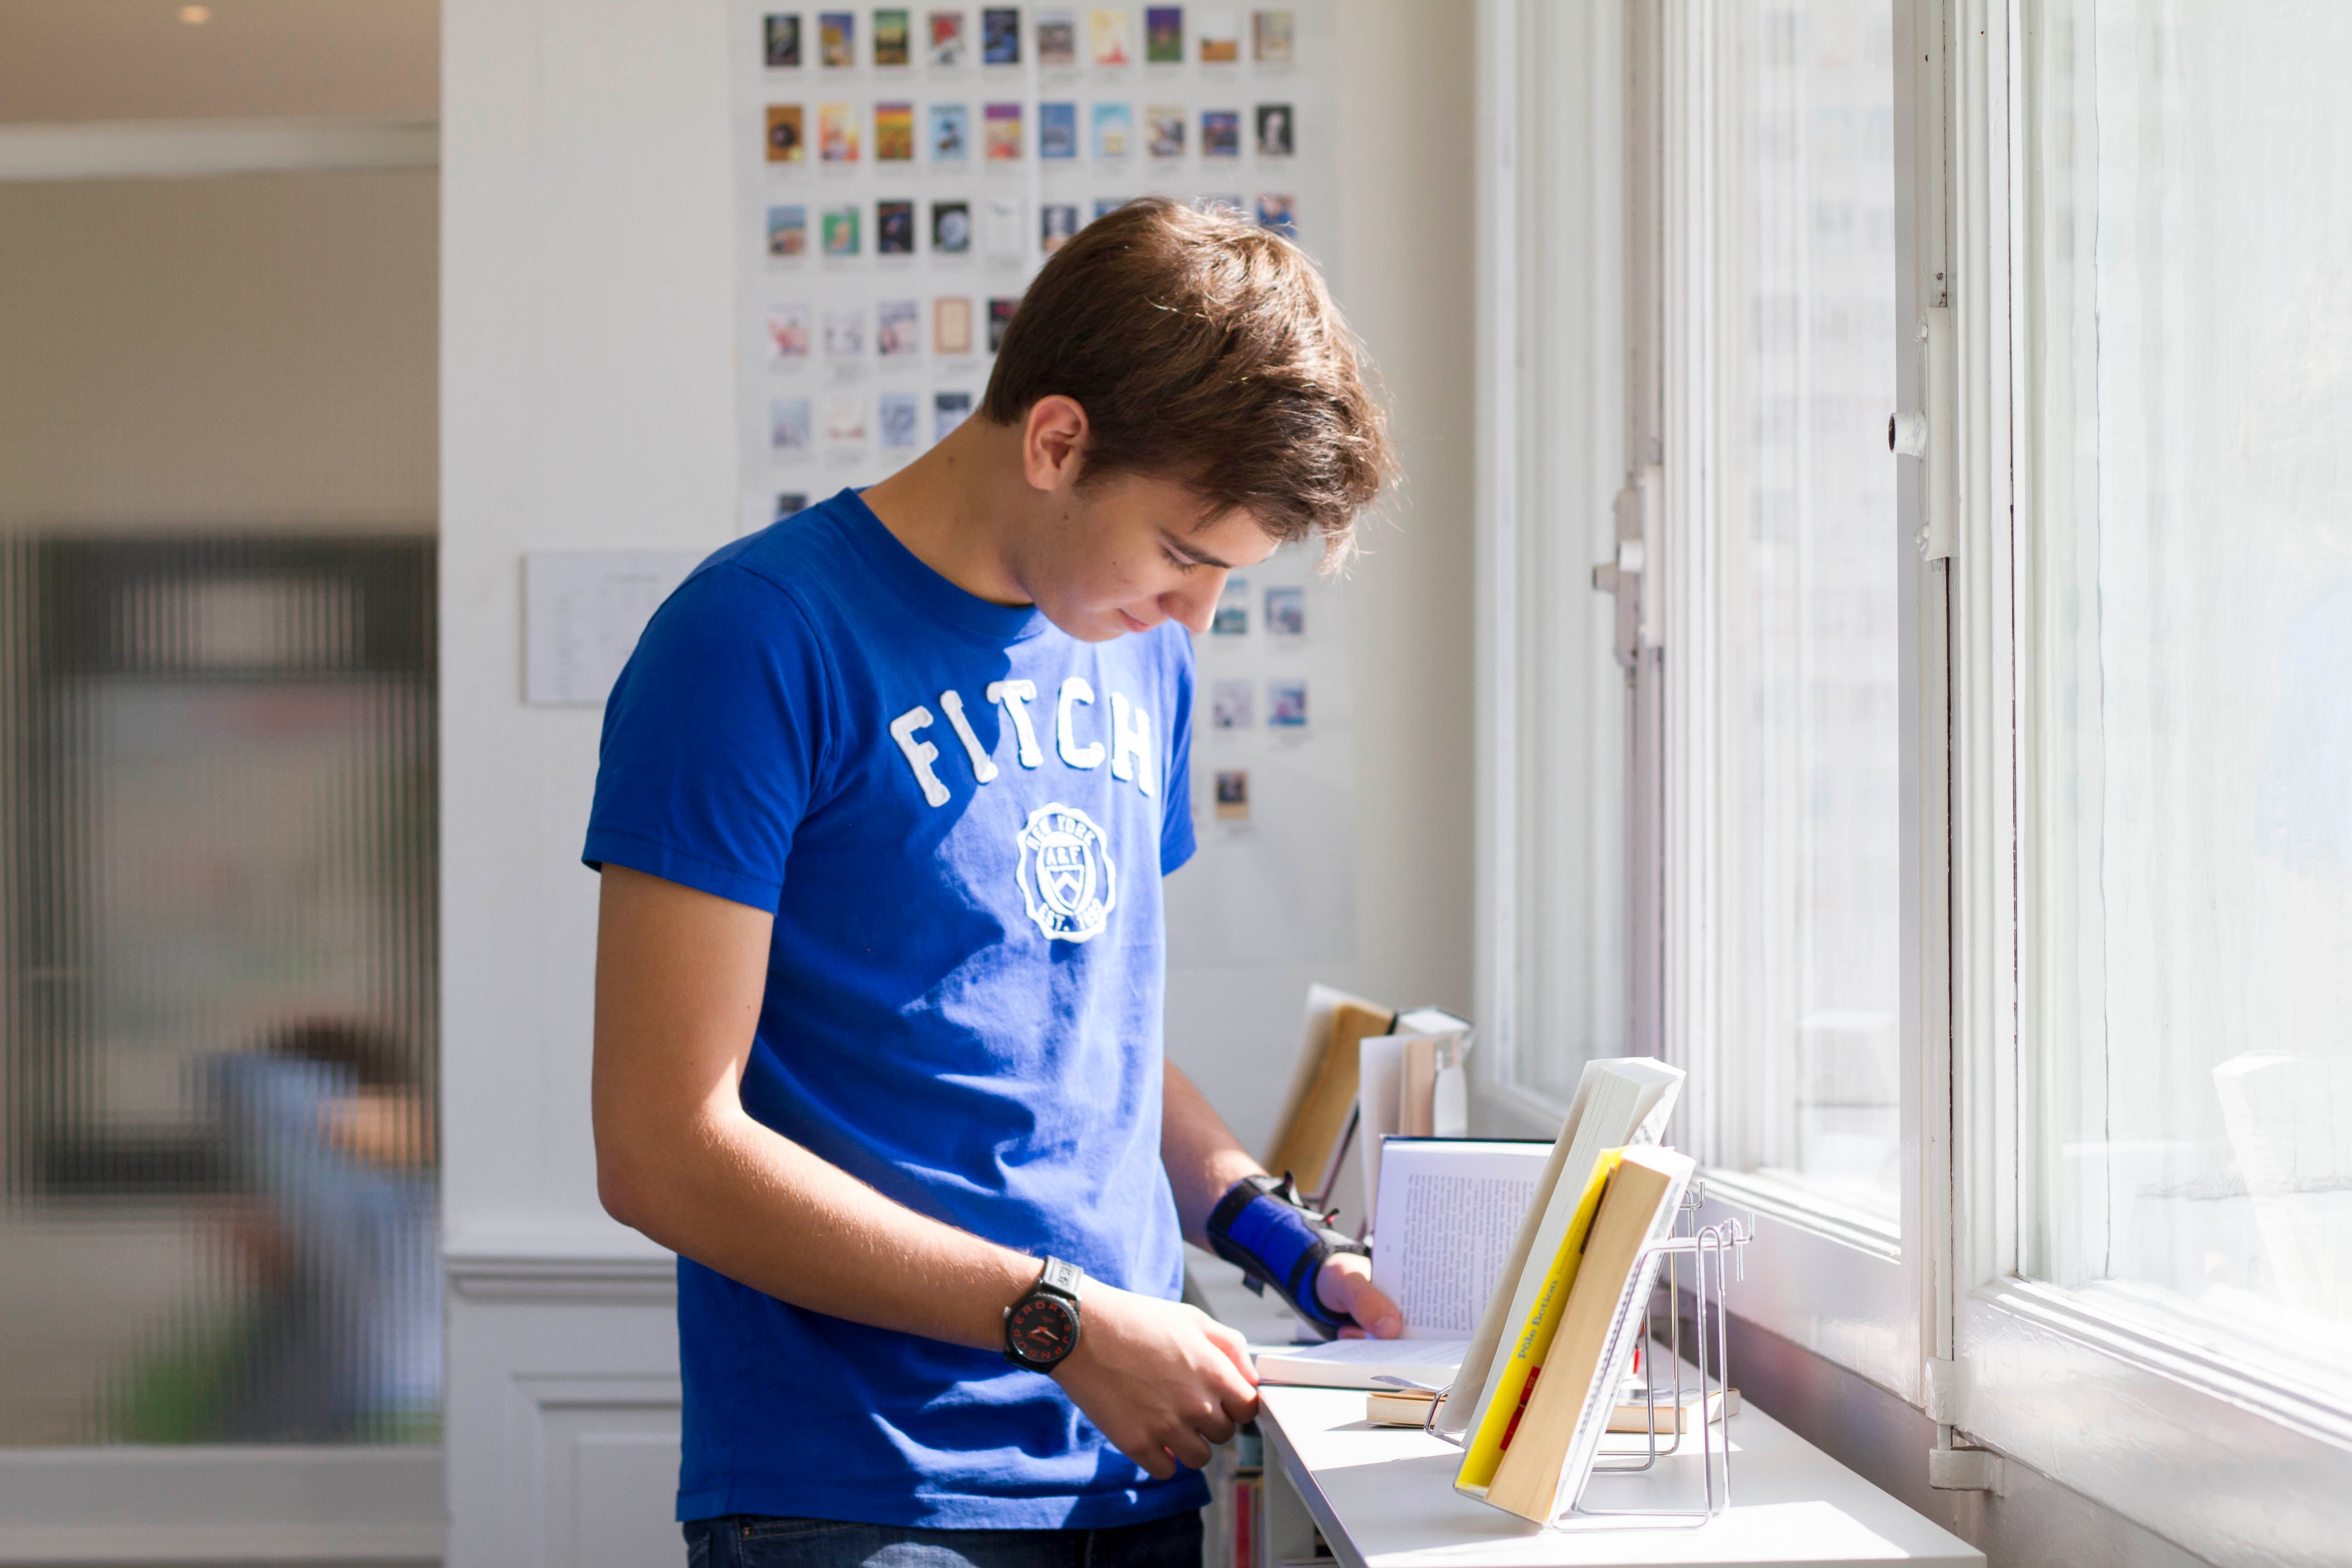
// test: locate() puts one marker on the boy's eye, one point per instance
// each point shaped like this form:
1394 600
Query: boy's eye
1182 563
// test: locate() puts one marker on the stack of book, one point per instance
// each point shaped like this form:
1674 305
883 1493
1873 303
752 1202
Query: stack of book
1365 1071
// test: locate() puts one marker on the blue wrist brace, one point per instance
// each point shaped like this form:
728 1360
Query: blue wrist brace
1277 1239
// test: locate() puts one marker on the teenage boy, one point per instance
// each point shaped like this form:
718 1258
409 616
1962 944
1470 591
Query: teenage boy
886 795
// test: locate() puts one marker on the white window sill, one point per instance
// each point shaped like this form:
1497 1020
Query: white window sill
2234 1466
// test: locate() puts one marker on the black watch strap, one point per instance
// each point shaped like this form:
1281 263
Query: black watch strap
1041 1329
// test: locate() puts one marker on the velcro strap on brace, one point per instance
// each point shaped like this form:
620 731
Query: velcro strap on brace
1264 1225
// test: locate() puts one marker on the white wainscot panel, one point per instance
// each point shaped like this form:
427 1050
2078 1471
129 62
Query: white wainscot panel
564 1413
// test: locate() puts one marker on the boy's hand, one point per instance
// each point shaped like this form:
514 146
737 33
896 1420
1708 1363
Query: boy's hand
1163 1381
1346 1286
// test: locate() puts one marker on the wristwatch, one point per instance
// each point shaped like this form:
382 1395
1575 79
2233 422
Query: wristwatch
1041 1329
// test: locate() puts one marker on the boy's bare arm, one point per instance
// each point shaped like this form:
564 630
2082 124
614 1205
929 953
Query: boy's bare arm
680 978
1204 1160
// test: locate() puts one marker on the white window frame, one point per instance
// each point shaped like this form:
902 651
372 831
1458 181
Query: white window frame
2235 1465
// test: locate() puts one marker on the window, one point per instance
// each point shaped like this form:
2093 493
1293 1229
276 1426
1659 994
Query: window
1553 725
2006 885
2185 404
218 1062
1795 919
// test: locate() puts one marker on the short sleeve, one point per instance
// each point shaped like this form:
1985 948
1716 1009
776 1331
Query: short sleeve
714 739
1176 840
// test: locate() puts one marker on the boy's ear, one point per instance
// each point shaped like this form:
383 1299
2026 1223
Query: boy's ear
1053 442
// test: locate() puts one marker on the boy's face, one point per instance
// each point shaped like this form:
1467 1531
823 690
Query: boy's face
1128 552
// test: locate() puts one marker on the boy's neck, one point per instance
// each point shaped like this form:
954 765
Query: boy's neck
958 508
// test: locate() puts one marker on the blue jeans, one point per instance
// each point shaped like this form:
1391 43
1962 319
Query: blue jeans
757 1541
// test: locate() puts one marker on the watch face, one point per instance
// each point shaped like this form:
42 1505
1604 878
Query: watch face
1043 1328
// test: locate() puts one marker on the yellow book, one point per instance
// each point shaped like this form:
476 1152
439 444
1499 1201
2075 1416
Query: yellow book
1484 1453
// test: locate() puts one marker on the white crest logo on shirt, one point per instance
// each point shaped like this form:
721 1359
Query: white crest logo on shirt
1066 874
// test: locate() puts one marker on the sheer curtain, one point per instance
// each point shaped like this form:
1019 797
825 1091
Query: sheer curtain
2187 440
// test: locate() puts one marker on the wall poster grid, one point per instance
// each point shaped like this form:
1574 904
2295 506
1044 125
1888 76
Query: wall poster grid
902 173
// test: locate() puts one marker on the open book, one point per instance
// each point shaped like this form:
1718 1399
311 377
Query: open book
1619 1100
1454 1207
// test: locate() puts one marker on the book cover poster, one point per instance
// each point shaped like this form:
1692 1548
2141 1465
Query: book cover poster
786 143
836 37
1057 38
1233 705
897 421
1270 34
1233 794
894 133
1278 212
844 332
999 316
948 409
1220 32
950 227
951 324
1285 705
1114 130
836 132
950 133
1286 612
1164 130
788 425
781 35
894 229
788 331
840 231
1163 35
948 47
788 230
1274 131
1057 130
1106 206
1004 123
1000 235
892 38
1221 133
898 328
1000 36
1106 38
1231 618
845 423
1057 222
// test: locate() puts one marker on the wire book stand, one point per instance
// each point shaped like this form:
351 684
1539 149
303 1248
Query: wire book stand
1716 1250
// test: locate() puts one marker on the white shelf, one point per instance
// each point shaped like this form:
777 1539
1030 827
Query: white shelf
1384 1496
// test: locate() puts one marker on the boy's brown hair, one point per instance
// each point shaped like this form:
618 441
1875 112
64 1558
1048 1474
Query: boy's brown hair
1204 348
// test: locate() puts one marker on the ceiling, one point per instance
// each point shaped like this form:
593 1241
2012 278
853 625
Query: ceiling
135 60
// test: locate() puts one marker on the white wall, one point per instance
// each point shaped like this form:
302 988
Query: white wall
586 292
1405 144
587 288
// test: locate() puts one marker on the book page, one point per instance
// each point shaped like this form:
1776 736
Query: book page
1450 1211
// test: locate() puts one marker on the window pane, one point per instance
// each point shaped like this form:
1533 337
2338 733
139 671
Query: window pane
218 1196
2189 480
1800 583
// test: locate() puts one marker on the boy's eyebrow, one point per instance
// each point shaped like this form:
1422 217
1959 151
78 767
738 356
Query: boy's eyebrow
1199 557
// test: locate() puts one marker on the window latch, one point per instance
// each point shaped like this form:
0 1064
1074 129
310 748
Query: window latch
1629 576
1929 436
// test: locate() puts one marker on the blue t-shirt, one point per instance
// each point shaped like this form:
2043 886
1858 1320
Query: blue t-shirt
960 816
